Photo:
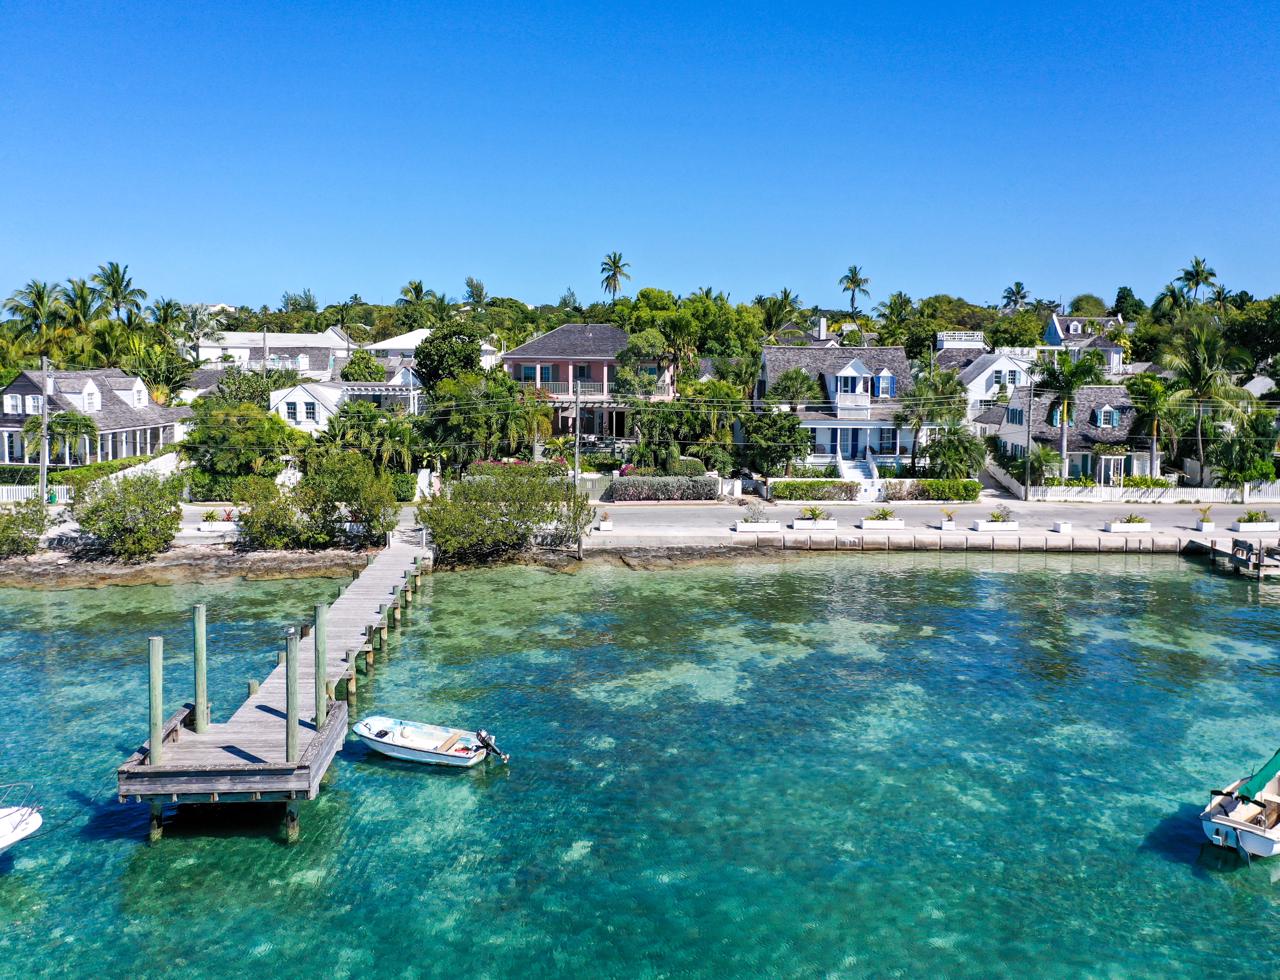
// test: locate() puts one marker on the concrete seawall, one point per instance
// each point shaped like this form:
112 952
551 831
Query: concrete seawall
922 540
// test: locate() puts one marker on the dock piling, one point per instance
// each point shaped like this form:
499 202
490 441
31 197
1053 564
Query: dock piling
322 665
202 679
155 667
291 696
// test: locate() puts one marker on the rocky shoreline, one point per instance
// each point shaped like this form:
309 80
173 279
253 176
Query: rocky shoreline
56 570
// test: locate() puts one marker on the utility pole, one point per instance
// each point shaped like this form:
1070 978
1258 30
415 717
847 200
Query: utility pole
1031 398
44 430
264 350
577 429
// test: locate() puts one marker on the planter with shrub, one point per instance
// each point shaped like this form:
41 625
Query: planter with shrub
606 523
1205 522
882 520
1000 519
1129 524
1255 522
814 519
948 522
756 519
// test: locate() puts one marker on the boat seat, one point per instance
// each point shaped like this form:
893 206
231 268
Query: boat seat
448 743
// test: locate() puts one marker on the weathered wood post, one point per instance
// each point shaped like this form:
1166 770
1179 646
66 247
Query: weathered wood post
322 665
291 695
202 678
291 822
384 617
155 673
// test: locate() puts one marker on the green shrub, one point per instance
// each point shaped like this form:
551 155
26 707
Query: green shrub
29 476
498 515
405 486
881 514
269 519
1147 482
1075 481
664 488
492 467
686 466
828 472
933 490
21 527
341 498
133 517
601 462
814 490
204 486
1255 517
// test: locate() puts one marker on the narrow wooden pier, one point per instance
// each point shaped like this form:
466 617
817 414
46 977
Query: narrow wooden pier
1253 557
277 746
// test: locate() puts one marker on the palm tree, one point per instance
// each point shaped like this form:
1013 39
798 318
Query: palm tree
1015 297
395 440
1220 296
114 287
558 447
1062 378
199 325
411 293
614 270
1171 301
167 315
16 348
477 295
955 453
1158 415
1196 275
66 429
896 314
36 307
433 452
79 305
438 307
778 326
854 282
935 396
1204 366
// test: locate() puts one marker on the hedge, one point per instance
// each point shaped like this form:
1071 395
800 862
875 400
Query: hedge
493 467
664 488
29 476
404 486
1148 482
814 490
932 490
601 462
212 486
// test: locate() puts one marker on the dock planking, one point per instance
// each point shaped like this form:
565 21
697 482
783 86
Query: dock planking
246 757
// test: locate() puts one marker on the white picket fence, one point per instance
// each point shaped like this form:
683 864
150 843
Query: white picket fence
1140 495
13 495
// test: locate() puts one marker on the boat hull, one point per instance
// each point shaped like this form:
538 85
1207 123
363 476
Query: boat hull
380 734
17 823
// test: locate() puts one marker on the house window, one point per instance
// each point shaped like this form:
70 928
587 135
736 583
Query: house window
1016 416
528 372
997 377
291 411
582 372
1075 326
884 386
1055 416
548 372
1013 377
13 404
34 403
138 397
90 401
848 385
309 409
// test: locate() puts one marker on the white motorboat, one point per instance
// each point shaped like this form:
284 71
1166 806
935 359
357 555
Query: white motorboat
1246 815
432 744
18 819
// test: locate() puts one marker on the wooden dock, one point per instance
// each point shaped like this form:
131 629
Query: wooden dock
1258 559
271 749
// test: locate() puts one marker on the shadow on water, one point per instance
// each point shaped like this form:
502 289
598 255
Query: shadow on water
1179 838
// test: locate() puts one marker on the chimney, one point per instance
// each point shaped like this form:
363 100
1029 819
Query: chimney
822 328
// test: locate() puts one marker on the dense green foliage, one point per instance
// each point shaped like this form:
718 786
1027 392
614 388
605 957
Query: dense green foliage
814 490
21 526
932 490
131 517
664 488
363 366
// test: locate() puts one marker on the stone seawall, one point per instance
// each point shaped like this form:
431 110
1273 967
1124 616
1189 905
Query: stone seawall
908 541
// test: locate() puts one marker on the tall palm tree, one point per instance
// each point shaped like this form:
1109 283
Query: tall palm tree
438 307
17 348
1204 367
778 326
199 325
1196 275
854 282
935 397
80 307
1158 415
167 315
614 270
395 440
115 287
1015 297
37 308
411 293
896 314
1171 301
1220 296
1061 379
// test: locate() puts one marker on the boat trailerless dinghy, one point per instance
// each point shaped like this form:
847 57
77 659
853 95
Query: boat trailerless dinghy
18 819
433 744
1246 815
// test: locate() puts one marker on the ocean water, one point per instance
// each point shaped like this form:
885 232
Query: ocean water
845 765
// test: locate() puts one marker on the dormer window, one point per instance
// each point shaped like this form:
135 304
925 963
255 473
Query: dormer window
1015 416
1055 416
34 404
884 385
1075 326
1106 417
90 400
139 397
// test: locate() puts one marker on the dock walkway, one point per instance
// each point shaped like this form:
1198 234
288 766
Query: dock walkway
245 759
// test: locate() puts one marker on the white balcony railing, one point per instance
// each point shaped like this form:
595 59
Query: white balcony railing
590 389
853 404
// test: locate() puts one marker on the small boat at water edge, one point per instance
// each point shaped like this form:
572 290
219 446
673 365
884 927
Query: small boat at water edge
431 744
1246 815
18 819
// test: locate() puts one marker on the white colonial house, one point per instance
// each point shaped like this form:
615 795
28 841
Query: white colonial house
309 405
853 426
989 376
403 346
310 354
128 421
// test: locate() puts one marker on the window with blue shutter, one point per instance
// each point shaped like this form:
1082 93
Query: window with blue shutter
893 386
875 386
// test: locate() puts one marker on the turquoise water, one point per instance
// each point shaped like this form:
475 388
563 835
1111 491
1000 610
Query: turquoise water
829 766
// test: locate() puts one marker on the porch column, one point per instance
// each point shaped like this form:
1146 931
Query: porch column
66 452
26 458
537 375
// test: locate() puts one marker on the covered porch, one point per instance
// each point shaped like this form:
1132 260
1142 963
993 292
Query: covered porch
117 444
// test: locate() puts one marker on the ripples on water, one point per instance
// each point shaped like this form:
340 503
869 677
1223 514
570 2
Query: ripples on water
843 765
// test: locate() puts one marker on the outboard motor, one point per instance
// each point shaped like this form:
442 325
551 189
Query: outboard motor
485 739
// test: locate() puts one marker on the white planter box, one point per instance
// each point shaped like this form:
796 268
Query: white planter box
217 526
1205 525
810 524
1062 527
995 525
1119 527
1256 527
606 526
896 524
947 526
763 527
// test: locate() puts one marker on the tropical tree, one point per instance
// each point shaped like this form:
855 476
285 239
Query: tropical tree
1171 301
199 325
476 294
955 453
1220 296
79 306
739 372
395 440
411 292
1204 365
778 325
613 270
1158 415
795 387
440 309
36 307
1247 453
1195 275
896 314
115 288
1043 460
935 396
854 282
67 430
1061 379
363 366
1015 297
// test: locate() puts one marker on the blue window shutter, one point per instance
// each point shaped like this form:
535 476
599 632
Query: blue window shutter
875 386
893 386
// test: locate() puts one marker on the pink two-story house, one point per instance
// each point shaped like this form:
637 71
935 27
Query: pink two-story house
577 363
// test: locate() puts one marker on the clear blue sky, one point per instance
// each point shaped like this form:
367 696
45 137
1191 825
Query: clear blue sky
229 152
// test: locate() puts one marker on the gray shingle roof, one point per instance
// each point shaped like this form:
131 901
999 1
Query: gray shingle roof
972 370
956 358
818 362
1083 434
112 415
991 416
573 340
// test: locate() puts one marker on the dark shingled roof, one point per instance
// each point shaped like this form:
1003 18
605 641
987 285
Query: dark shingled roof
818 362
113 414
991 416
573 340
956 358
1083 434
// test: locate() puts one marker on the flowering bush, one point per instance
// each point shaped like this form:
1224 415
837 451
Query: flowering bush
664 488
813 490
932 490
